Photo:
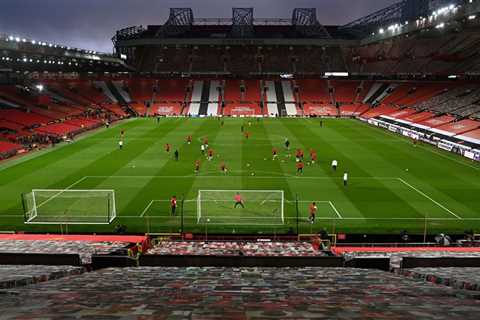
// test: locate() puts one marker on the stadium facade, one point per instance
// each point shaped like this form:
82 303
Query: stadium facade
408 39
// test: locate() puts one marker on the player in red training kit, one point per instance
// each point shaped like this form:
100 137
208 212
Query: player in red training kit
274 153
167 147
312 209
238 201
197 166
314 157
210 154
173 204
299 155
300 166
189 139
223 168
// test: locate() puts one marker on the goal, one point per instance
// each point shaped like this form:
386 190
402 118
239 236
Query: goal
50 206
261 207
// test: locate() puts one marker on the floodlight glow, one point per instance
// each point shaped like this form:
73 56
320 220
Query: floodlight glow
39 87
472 17
381 31
440 26
336 74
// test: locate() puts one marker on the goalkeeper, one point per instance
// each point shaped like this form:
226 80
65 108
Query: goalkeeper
238 201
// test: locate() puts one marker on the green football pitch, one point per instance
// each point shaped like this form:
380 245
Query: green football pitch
393 185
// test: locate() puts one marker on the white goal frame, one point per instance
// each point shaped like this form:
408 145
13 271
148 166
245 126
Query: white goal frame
30 218
199 200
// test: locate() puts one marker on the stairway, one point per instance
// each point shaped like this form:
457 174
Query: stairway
196 98
205 98
280 99
290 105
271 99
120 99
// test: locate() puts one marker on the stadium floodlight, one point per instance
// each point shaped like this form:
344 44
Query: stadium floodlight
440 26
472 17
67 206
336 74
17 39
39 87
394 27
452 76
381 31
11 38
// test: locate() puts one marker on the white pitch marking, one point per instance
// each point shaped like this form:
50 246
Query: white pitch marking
241 176
335 209
429 198
149 205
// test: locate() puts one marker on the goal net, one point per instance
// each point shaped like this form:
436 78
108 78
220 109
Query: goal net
48 206
257 207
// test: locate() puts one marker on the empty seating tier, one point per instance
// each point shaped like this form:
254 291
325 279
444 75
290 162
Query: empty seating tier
239 293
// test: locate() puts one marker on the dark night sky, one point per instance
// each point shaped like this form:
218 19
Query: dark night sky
90 24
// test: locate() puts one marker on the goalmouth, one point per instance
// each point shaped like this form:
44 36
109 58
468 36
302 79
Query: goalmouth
56 206
256 207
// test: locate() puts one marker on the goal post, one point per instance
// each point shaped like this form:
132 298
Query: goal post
56 206
257 207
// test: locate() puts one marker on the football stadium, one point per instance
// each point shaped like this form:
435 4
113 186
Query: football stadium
239 167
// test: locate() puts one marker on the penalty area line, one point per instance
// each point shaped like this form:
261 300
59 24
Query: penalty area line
429 198
335 209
